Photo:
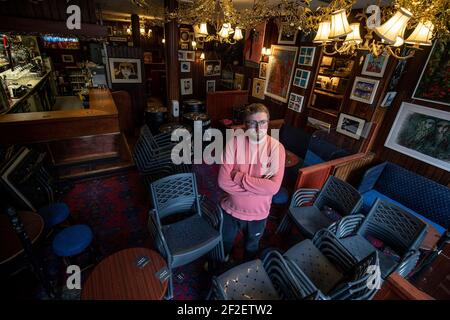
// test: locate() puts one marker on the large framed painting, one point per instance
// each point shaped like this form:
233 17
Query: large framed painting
124 70
254 42
280 71
422 133
434 85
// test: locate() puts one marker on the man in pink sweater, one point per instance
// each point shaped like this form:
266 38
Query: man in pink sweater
251 173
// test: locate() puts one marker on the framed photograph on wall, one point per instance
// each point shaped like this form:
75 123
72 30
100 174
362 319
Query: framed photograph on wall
239 81
421 133
301 78
254 42
433 85
388 98
210 86
375 66
318 124
286 34
184 46
263 70
185 66
184 35
125 70
296 102
258 88
364 89
184 55
350 126
186 86
306 56
67 58
280 72
212 68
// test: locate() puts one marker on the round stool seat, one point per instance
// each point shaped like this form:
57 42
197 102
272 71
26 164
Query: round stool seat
54 213
281 197
72 240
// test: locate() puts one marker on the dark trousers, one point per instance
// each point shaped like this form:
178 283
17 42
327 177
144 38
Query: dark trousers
253 231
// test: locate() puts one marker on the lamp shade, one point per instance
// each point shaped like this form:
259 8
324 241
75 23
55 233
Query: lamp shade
323 32
355 36
202 56
203 29
422 34
238 34
394 27
339 24
224 31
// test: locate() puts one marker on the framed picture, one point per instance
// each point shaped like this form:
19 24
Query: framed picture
238 81
399 70
186 86
433 85
210 86
263 70
388 98
301 78
364 89
228 79
422 133
350 126
184 35
326 61
254 42
280 71
185 66
184 46
110 31
318 124
184 55
375 66
148 57
296 102
286 35
212 68
258 88
67 58
306 56
125 70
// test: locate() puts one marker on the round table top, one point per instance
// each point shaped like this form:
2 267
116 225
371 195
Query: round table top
117 277
10 244
291 159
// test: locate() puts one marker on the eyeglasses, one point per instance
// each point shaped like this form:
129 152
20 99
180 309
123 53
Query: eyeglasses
254 124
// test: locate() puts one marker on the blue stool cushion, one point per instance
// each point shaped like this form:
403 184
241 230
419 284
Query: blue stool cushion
54 213
281 197
72 240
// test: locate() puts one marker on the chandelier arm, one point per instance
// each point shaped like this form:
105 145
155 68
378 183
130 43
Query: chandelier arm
324 49
394 54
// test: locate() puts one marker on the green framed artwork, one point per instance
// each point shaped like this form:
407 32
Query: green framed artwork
434 85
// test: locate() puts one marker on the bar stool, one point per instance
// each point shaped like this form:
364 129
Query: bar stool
54 214
72 241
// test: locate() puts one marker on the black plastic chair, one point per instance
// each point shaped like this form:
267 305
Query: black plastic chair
336 199
397 231
198 232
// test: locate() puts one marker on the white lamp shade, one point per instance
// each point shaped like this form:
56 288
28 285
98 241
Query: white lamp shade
194 44
238 34
323 32
203 29
268 52
394 27
224 31
202 56
355 36
339 24
422 34
263 51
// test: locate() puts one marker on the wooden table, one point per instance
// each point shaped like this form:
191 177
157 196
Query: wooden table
119 278
291 159
10 244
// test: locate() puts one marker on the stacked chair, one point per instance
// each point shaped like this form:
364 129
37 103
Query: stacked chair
336 199
152 155
387 229
323 268
198 229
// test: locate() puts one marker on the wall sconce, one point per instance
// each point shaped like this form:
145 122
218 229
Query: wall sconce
194 45
202 56
163 41
266 51
128 30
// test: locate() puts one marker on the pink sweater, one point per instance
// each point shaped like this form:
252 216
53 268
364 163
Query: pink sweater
250 184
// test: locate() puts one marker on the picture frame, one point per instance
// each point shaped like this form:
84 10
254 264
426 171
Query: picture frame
184 35
263 70
254 42
212 68
125 70
388 98
433 85
285 37
301 78
184 46
280 72
67 58
306 56
110 31
210 86
186 86
318 124
148 57
296 102
185 66
350 126
258 88
364 89
185 55
421 133
239 81
227 80
375 66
